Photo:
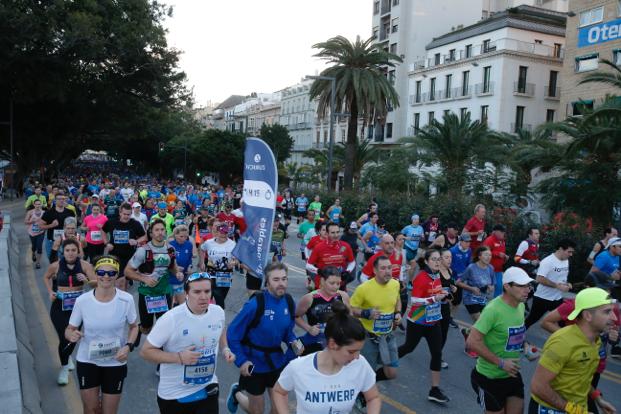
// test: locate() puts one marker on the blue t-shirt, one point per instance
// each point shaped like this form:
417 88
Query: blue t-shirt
606 262
416 232
301 202
476 277
336 214
374 239
183 253
461 260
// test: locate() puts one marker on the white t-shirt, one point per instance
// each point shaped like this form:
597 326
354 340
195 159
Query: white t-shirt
126 193
104 326
317 393
177 330
218 252
142 219
554 270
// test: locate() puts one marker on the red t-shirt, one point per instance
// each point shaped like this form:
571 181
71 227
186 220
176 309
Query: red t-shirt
497 246
472 226
314 241
328 253
423 288
367 270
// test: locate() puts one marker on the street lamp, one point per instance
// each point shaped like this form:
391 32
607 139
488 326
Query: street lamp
332 79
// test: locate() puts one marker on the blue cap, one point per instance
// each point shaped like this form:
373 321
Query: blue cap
161 204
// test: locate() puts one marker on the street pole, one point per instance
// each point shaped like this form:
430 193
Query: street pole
332 79
11 127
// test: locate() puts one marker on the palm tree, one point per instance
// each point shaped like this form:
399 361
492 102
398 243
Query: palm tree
364 153
612 78
456 145
362 89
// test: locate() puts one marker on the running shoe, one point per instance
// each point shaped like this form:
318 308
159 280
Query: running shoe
615 352
63 375
531 352
444 365
231 401
71 365
38 266
34 257
436 395
452 324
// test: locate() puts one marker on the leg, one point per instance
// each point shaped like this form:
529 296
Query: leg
90 400
252 404
412 338
146 318
444 322
60 320
89 380
112 387
538 309
433 336
514 405
110 403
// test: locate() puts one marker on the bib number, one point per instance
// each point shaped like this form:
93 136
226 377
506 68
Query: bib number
35 228
546 410
383 324
58 233
202 372
103 349
433 313
479 299
96 235
223 279
121 236
68 299
515 339
156 304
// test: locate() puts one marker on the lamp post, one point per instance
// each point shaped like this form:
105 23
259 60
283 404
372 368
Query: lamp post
332 79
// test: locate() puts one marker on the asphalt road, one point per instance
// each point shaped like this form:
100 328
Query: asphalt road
407 394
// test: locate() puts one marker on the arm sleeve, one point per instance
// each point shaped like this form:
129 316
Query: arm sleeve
237 330
357 299
555 354
138 258
47 217
131 311
420 291
520 252
286 379
600 261
367 376
464 277
544 268
76 314
161 332
139 230
485 323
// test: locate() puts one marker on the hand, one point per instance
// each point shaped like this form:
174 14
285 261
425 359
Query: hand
453 288
54 223
605 406
244 370
563 287
229 356
481 232
613 334
132 242
82 277
397 318
314 330
282 253
52 296
616 275
109 247
180 276
374 314
149 281
475 291
511 367
440 296
122 354
189 357
534 262
74 336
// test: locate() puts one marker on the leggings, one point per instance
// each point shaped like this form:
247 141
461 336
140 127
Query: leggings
539 308
91 251
60 319
37 243
433 336
219 295
444 323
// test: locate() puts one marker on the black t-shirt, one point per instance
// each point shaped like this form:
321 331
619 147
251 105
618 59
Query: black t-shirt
52 214
352 240
120 234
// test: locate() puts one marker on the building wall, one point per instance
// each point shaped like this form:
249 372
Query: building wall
572 91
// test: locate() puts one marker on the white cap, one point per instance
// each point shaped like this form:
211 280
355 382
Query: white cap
136 204
615 241
516 275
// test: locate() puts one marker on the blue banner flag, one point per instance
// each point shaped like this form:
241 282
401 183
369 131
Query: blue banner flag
260 184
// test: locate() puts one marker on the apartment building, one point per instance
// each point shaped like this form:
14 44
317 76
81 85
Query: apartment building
504 70
593 33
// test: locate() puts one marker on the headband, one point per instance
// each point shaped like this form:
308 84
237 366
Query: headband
107 261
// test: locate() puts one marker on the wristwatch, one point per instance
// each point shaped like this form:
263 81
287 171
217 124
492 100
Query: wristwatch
130 345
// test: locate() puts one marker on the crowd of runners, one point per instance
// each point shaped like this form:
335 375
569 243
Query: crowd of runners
106 238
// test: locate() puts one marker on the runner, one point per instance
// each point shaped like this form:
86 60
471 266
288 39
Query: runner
139 216
335 212
165 217
475 227
477 282
370 235
498 338
70 231
36 196
432 228
103 315
112 202
414 234
608 260
288 203
216 257
231 220
65 280
332 252
255 336
329 381
317 306
448 285
423 317
448 239
184 252
124 235
397 260
301 204
527 254
461 257
304 228
278 240
96 238
53 220
600 246
186 342
496 244
35 232
364 219
316 206
562 380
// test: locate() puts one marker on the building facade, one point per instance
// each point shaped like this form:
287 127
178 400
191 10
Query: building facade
504 70
593 33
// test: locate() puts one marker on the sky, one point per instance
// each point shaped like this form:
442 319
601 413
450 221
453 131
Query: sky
236 47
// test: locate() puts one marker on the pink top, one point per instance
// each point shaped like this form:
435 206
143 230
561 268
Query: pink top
94 234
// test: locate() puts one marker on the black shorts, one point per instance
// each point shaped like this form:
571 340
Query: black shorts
257 383
492 394
475 308
253 283
148 319
110 379
206 405
457 296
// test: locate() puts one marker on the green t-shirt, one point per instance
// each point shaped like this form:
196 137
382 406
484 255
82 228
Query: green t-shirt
161 269
315 206
168 220
305 227
504 333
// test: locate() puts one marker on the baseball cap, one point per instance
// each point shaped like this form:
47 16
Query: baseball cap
415 216
136 204
161 204
465 237
94 196
516 275
599 279
590 298
223 228
353 225
615 241
277 217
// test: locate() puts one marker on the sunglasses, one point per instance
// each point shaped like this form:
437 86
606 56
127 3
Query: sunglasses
109 273
197 276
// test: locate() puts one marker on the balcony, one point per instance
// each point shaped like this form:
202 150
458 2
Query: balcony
524 89
301 147
416 100
484 89
461 92
321 145
515 128
553 94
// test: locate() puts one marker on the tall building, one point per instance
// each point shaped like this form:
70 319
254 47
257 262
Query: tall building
504 70
405 27
593 33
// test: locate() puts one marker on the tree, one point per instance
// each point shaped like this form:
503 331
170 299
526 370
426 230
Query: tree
364 153
362 89
456 145
279 140
392 172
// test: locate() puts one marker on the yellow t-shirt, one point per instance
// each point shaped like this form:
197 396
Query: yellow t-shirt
384 298
570 355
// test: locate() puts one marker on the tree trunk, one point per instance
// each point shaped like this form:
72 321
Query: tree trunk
350 147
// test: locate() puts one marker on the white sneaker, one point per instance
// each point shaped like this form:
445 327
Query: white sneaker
63 375
71 365
444 365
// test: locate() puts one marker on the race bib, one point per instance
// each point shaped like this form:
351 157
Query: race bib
202 372
433 313
479 299
335 217
322 327
58 233
223 279
121 236
383 324
432 236
96 235
35 228
103 349
156 304
546 410
515 339
68 299
203 233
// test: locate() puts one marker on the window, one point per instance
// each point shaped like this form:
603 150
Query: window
449 81
487 74
616 55
550 115
391 77
519 118
521 85
558 50
468 51
587 63
395 25
580 107
418 89
416 122
395 2
538 42
432 89
389 130
393 48
465 80
436 58
446 112
592 16
451 55
431 117
553 83
484 113
376 7
318 136
375 32
463 112
487 46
